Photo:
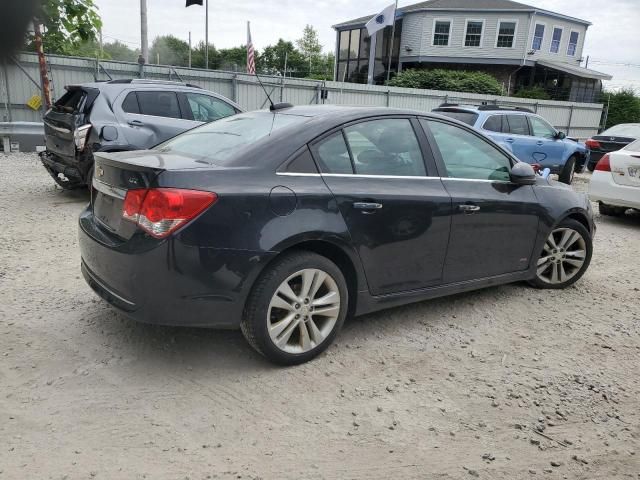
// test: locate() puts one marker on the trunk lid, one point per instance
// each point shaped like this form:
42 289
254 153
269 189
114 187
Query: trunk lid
612 143
63 119
117 173
625 168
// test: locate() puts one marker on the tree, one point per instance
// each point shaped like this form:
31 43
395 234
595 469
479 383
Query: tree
310 47
68 23
272 59
120 51
624 107
171 51
451 80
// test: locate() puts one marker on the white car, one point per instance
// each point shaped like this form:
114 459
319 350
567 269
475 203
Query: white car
615 183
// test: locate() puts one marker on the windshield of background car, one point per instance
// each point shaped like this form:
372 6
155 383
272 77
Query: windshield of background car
467 117
219 141
623 130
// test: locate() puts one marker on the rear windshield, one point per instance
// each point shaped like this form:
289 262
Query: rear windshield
633 146
467 117
623 130
72 101
219 141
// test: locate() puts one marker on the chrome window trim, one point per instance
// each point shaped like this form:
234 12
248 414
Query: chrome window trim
349 175
107 189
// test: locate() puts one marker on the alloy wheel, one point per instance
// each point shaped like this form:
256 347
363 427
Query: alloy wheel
563 255
303 311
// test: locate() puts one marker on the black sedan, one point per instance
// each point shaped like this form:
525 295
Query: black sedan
285 222
611 140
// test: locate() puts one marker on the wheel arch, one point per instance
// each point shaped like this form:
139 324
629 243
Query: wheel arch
339 253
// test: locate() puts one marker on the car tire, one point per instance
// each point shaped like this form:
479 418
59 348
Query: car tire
591 166
568 171
564 257
281 319
610 210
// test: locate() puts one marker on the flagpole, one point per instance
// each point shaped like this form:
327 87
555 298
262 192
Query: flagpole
372 58
393 34
206 35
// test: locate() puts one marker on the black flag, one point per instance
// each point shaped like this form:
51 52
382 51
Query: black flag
194 2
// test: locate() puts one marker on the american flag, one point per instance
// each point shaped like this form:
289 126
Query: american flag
251 53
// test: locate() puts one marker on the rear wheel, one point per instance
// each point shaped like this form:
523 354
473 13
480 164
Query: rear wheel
610 210
296 308
569 170
565 256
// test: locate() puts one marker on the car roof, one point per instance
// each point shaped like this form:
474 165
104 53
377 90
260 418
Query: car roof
484 109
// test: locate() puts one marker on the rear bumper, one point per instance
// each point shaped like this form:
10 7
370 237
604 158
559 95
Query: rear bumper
169 282
603 189
70 169
595 158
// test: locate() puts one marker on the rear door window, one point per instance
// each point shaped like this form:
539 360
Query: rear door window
130 103
206 108
495 123
159 104
518 124
332 154
385 147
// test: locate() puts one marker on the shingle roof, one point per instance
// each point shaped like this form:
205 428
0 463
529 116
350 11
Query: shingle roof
469 5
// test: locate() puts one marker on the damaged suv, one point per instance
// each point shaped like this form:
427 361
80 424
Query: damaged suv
121 115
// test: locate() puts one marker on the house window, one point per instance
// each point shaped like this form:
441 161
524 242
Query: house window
506 34
473 36
441 31
573 44
538 36
555 40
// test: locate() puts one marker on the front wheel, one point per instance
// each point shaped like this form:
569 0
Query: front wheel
296 308
569 170
565 256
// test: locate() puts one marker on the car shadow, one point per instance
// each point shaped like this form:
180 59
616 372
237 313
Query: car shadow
630 219
165 348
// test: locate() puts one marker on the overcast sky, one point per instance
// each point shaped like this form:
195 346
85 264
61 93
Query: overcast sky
612 41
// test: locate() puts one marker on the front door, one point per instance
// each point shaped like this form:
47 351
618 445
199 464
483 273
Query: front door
494 222
397 215
549 149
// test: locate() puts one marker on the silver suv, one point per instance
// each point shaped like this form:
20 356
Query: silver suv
121 115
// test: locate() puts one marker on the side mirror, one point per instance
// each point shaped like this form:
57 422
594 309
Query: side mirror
561 135
523 174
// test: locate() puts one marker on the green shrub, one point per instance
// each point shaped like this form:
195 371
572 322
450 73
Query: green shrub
538 93
624 107
451 80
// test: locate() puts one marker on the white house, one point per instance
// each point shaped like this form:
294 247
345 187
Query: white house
519 44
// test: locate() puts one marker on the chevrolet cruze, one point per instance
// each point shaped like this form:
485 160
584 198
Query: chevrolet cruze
285 222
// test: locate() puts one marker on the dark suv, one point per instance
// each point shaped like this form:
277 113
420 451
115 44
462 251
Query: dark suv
121 115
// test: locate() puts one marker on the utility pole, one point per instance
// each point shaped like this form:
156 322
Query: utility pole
206 35
44 74
189 49
144 39
100 39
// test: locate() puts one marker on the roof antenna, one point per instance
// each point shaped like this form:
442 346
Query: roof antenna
274 106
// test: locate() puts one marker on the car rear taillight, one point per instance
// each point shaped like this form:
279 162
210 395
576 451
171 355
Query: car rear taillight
160 211
604 165
80 136
591 144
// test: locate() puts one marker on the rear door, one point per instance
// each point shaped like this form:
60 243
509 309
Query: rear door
549 151
69 113
152 116
494 222
396 209
519 137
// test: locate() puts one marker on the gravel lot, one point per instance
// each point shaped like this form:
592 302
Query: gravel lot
503 383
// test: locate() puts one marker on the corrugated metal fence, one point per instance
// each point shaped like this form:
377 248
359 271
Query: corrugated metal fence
20 80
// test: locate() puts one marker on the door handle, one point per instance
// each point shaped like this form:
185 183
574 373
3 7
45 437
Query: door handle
135 123
468 208
509 140
367 205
